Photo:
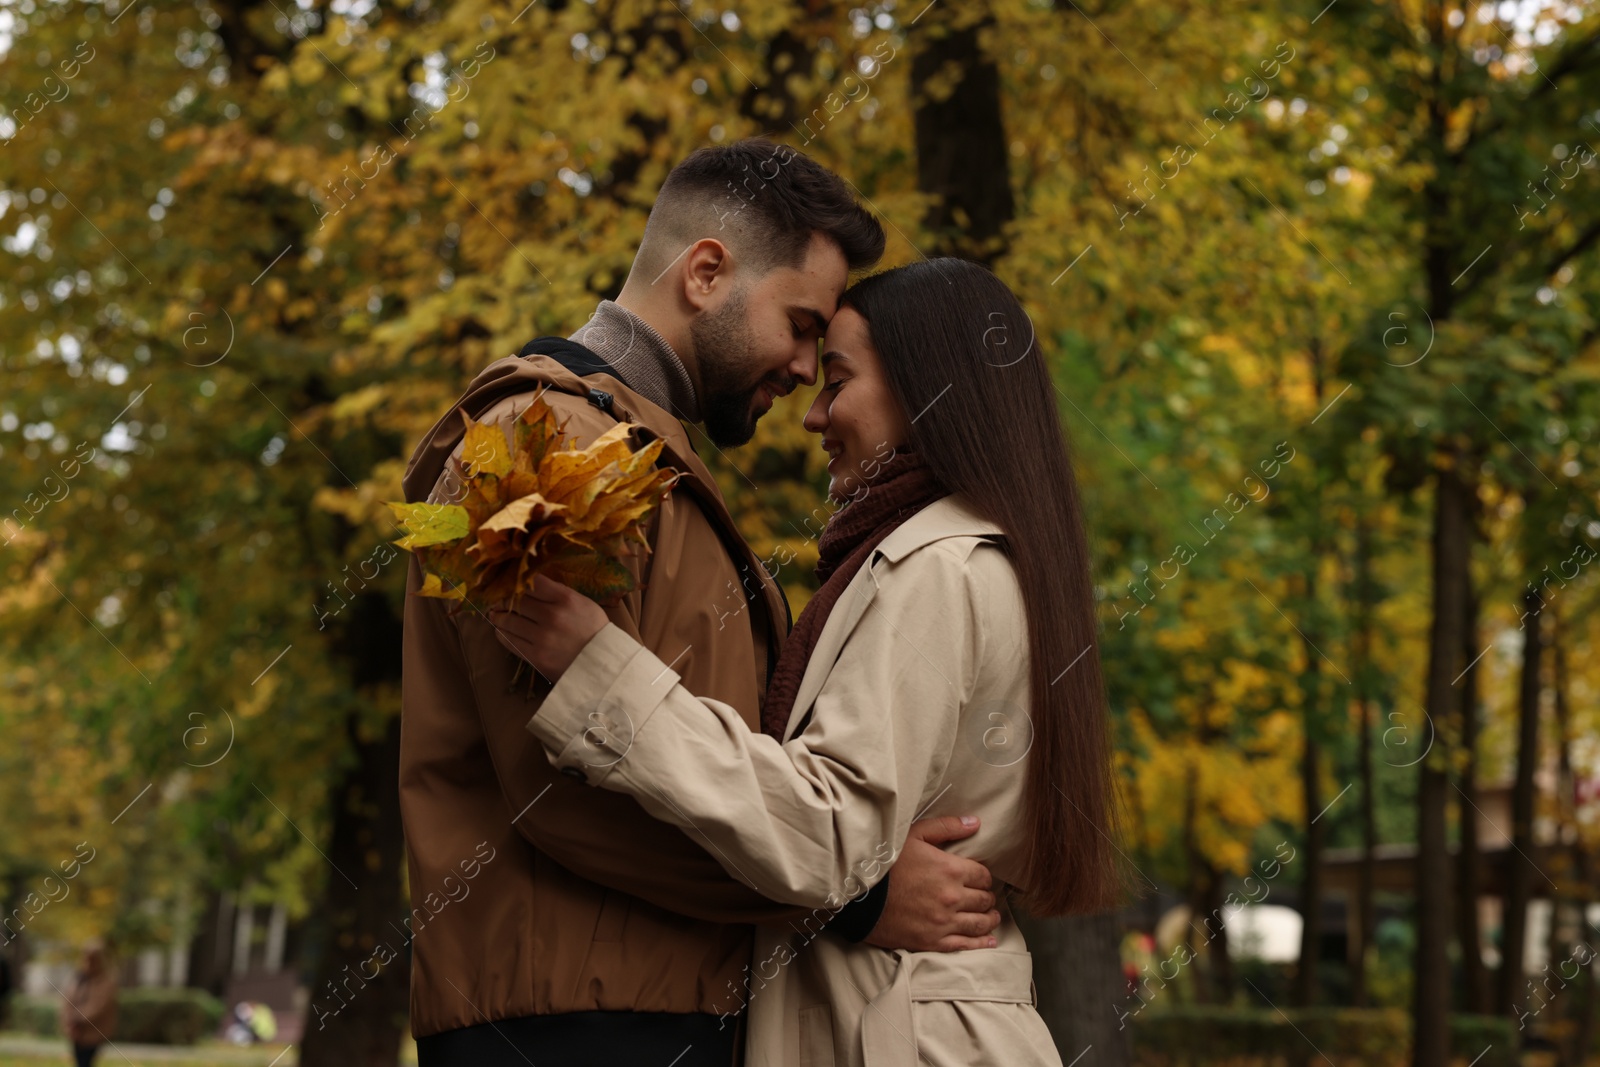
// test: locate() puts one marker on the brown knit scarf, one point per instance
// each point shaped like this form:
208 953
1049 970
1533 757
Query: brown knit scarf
903 486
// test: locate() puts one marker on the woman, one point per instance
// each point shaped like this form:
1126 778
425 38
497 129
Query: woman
89 1007
947 664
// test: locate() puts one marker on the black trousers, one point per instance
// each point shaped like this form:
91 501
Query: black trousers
589 1039
83 1055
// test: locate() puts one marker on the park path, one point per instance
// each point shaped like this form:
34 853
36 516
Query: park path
19 1045
25 1048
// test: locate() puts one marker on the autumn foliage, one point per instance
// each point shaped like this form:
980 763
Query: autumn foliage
540 506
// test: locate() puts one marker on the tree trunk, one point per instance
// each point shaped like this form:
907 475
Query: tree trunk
1583 1025
1149 907
1583 1031
361 988
1584 998
1583 1035
1312 696
1193 864
1431 974
1219 964
361 991
1519 868
1568 944
1078 974
1366 876
1469 864
962 156
1194 872
208 952
1305 985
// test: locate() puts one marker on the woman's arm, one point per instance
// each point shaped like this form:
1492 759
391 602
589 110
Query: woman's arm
818 819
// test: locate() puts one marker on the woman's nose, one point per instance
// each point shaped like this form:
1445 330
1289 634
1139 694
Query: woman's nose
816 419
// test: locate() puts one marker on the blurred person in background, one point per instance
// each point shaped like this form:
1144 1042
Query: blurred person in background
89 1009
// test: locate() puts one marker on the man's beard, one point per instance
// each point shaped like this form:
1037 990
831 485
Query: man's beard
722 347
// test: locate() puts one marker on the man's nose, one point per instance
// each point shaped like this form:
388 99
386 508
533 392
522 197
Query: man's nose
804 368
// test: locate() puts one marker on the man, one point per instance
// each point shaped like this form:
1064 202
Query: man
559 924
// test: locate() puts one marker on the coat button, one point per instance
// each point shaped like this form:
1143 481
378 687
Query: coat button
572 772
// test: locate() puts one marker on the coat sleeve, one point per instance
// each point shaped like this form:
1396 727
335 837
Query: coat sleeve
609 840
814 819
86 1006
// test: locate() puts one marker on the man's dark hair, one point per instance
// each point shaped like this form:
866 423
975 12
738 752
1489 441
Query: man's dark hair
764 201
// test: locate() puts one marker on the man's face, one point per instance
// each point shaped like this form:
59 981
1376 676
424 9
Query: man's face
761 343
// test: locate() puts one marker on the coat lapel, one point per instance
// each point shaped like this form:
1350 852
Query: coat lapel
841 622
946 517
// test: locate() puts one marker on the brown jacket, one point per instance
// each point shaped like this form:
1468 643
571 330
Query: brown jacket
89 1007
533 892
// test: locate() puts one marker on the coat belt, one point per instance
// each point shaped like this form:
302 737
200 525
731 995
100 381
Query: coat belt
888 1035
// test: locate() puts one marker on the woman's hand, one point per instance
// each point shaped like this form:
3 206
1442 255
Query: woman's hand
549 627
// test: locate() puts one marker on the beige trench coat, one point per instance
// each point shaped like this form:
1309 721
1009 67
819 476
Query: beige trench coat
914 703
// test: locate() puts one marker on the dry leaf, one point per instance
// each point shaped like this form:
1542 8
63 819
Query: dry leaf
539 506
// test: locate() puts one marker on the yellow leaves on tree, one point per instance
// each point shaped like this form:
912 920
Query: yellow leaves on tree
540 506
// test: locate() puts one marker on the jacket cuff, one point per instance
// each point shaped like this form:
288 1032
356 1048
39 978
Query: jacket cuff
589 720
855 920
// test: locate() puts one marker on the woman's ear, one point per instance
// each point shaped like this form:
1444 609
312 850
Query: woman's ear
706 262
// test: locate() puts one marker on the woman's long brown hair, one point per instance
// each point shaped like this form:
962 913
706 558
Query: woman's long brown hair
961 358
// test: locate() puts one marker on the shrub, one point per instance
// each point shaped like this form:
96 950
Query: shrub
166 1016
1179 1037
1493 1035
144 1016
1301 1037
35 1015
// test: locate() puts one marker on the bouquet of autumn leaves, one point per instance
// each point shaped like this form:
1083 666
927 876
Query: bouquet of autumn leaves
540 506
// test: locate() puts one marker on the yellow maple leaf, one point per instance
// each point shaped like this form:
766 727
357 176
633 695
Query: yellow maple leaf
484 449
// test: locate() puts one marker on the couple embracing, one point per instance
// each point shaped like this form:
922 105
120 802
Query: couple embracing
720 835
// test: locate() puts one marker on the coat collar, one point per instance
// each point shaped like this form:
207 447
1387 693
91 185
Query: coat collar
949 516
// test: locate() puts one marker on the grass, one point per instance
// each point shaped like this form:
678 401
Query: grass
28 1050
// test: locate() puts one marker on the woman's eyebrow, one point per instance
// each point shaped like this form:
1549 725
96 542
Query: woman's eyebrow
832 356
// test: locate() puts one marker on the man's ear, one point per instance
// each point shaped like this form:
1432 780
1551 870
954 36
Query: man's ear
706 266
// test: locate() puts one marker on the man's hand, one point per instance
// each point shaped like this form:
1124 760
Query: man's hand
937 902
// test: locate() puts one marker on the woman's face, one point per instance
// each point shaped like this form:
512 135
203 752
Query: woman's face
858 418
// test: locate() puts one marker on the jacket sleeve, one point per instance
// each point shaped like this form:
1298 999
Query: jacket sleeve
814 819
608 839
87 1001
